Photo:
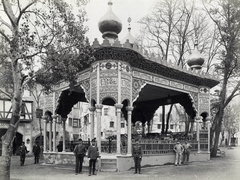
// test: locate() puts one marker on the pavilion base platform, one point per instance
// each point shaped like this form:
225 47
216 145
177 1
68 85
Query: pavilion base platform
113 162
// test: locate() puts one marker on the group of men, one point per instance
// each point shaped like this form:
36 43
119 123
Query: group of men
92 154
182 149
23 151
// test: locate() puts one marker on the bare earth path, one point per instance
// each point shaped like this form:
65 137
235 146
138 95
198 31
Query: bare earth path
226 168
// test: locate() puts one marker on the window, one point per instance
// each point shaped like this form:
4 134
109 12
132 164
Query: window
111 124
171 126
122 125
70 121
159 126
105 111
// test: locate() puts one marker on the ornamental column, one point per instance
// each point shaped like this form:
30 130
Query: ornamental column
208 128
54 132
118 109
99 113
64 133
198 119
50 134
129 111
44 134
91 114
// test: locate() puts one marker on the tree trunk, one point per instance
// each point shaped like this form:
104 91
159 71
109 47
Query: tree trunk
7 141
215 145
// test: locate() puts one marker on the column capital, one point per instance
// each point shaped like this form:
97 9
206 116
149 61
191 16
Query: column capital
55 116
129 108
44 118
208 119
92 108
98 106
63 119
198 118
118 106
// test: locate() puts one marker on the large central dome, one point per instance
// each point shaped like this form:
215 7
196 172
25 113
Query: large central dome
110 25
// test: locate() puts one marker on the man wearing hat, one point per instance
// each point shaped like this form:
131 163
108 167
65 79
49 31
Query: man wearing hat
93 154
23 151
137 155
178 148
79 152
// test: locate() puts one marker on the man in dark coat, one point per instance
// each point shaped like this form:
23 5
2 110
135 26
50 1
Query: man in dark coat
93 154
23 152
79 152
36 152
137 156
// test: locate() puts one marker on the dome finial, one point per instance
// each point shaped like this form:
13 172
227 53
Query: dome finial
195 60
110 25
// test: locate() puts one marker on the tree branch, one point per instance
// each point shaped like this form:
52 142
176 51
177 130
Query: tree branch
7 94
8 10
24 9
5 36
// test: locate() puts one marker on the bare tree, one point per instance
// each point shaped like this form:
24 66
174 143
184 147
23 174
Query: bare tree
43 31
226 16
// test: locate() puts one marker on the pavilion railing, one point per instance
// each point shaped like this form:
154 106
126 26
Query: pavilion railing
149 146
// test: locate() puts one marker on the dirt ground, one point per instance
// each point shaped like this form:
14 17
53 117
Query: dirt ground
220 168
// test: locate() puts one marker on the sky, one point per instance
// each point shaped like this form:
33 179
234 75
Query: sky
136 9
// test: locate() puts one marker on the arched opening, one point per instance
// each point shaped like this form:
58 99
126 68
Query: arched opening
204 120
125 103
108 101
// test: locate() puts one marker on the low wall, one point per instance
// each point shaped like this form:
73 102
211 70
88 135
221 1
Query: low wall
124 163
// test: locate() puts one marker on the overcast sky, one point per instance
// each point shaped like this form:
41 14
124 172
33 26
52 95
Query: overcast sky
136 9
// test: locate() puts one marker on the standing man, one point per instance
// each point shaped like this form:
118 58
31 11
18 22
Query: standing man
137 155
79 152
93 154
186 153
178 148
36 152
23 152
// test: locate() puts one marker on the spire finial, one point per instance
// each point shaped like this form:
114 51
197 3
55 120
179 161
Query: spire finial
110 3
196 42
129 26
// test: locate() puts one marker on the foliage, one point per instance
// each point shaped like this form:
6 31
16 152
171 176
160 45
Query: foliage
44 42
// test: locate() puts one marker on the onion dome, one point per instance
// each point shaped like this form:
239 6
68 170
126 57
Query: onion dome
129 35
110 25
196 60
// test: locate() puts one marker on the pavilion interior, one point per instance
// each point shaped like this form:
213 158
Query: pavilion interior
149 100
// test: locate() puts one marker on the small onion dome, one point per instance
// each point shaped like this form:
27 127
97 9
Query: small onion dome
110 25
129 35
195 60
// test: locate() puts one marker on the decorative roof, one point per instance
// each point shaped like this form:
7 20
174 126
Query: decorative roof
195 59
136 58
110 25
129 35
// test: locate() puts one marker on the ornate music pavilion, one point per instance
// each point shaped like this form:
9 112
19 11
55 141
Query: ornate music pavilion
122 76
